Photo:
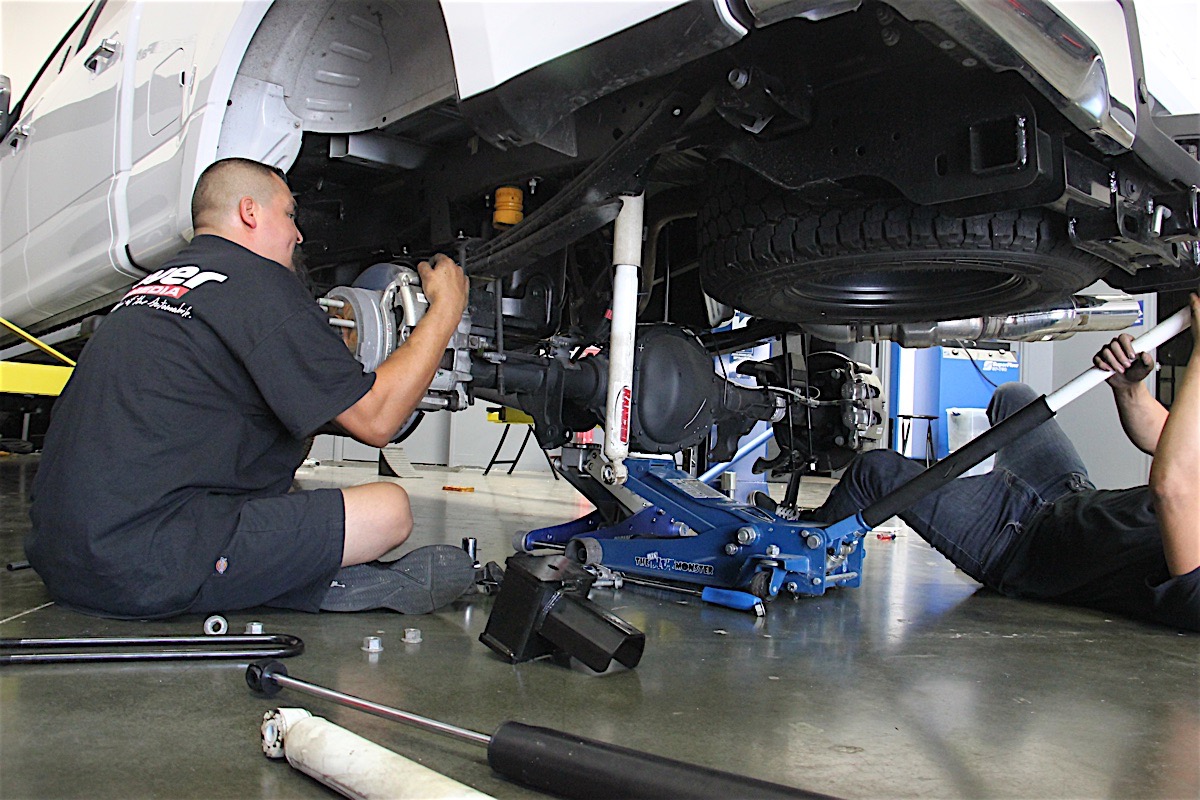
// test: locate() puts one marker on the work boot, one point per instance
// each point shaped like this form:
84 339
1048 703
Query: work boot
763 501
419 582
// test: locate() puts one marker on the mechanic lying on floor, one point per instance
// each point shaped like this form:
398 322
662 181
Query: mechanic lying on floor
163 484
1035 527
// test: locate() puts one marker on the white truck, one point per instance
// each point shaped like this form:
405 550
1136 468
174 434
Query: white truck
851 167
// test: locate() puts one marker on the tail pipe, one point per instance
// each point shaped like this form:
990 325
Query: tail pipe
1080 313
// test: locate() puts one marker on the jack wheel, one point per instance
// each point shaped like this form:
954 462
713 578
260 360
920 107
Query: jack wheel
760 586
585 550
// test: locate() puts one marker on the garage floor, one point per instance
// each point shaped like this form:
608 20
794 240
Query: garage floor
917 684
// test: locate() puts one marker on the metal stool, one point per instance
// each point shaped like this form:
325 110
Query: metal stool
906 425
507 417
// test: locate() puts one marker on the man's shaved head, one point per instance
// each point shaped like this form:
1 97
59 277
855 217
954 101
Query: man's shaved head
222 186
249 204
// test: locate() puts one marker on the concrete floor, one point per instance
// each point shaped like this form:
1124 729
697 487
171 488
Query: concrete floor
917 684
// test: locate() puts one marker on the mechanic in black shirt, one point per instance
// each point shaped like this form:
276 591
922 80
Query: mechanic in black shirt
1036 527
164 481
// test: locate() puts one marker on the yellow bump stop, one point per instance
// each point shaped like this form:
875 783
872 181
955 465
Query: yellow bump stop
509 207
44 379
509 416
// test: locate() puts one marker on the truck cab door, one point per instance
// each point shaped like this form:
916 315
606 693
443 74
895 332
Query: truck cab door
188 53
14 220
17 143
72 137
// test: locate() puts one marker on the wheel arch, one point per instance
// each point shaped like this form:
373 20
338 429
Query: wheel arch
333 67
353 66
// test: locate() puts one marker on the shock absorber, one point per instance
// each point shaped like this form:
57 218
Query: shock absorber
627 266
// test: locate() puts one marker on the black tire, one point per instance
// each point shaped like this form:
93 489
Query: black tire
770 254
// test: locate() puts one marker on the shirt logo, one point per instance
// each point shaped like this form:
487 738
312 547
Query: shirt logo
175 282
222 565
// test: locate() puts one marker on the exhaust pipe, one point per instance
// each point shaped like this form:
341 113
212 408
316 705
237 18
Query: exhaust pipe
1108 312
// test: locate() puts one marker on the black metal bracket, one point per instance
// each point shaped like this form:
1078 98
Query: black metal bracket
1140 231
542 609
980 151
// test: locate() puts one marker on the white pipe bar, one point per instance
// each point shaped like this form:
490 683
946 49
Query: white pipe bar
742 452
627 267
1172 326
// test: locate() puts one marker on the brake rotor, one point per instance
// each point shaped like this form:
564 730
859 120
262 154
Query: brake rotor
372 337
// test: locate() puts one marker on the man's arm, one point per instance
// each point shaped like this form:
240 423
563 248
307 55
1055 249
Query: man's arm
402 380
1142 416
1175 474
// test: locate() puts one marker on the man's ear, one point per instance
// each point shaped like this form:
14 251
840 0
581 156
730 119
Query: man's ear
248 212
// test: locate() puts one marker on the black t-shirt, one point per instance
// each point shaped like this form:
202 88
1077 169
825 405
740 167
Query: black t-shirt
195 394
1103 549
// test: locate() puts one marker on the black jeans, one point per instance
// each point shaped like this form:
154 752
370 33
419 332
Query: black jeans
974 521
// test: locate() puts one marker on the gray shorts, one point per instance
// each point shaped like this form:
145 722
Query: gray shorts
284 552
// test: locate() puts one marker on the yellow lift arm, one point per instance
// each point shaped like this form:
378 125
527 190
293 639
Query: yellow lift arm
43 379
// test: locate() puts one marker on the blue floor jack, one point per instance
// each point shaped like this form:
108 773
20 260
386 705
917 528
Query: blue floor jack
663 525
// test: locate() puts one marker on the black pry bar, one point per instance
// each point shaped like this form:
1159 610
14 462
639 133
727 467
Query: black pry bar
149 648
974 452
553 761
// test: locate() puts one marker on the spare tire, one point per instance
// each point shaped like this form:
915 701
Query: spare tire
768 253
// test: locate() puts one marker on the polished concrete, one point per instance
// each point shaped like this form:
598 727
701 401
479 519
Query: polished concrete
917 684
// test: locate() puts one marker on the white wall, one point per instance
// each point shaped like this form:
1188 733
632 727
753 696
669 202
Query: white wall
1170 30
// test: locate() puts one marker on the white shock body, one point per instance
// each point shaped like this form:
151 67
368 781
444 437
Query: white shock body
348 763
627 267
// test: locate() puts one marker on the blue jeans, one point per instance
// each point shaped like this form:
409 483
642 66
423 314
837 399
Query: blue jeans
974 521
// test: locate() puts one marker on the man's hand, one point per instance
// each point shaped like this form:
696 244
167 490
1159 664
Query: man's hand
445 285
404 376
1128 368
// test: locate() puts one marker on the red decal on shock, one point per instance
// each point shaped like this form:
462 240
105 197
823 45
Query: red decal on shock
626 407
